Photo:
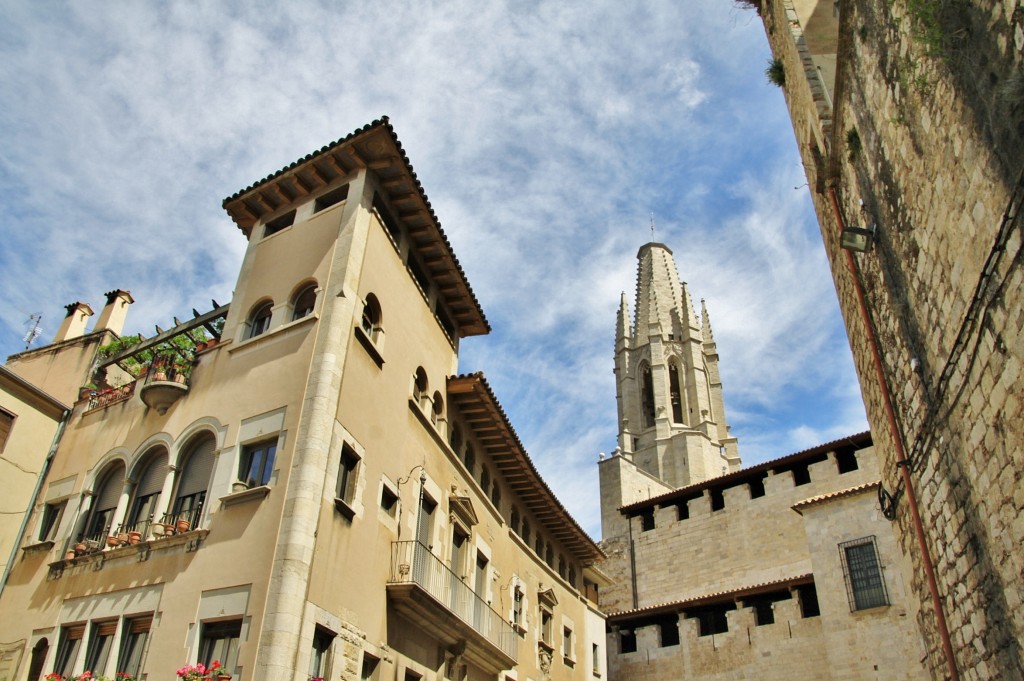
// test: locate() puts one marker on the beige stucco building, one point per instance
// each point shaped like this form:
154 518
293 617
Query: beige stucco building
300 483
907 116
782 570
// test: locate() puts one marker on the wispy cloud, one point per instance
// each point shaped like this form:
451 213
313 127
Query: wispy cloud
544 133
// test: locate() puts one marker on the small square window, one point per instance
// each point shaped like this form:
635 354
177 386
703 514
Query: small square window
369 670
277 224
331 198
257 463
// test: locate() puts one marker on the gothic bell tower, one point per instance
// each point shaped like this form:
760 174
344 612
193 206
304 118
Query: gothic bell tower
672 426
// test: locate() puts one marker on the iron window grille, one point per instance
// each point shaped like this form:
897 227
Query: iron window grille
862 569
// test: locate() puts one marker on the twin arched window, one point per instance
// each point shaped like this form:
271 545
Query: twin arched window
303 302
371 320
259 319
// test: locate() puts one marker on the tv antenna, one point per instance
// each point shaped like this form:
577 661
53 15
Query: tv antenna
34 332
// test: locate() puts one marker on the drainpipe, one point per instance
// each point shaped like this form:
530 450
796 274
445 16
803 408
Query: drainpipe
35 496
902 463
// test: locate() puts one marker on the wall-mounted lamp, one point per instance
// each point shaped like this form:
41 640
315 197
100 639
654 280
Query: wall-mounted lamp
857 239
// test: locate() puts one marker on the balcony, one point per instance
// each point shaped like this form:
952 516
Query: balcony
424 590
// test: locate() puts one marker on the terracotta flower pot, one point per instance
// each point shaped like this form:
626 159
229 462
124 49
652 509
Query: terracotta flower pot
183 525
80 548
112 541
134 537
70 555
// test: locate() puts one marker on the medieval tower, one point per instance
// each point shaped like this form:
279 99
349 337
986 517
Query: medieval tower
672 426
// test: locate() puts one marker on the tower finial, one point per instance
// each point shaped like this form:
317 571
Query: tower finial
652 225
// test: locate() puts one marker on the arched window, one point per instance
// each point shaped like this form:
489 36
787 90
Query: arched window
303 302
675 395
150 481
485 479
455 439
39 652
539 546
562 569
259 319
437 408
549 557
470 459
525 534
496 495
419 385
371 319
513 521
105 499
647 396
194 478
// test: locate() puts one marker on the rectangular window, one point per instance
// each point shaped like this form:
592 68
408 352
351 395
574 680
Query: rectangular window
68 649
50 521
517 608
319 658
331 198
863 571
6 426
545 626
220 642
388 500
369 670
627 641
346 490
258 463
277 224
133 645
101 639
567 648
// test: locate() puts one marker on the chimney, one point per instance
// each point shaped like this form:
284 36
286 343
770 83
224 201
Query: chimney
73 325
115 311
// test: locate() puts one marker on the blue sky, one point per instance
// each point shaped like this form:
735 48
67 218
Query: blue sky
545 135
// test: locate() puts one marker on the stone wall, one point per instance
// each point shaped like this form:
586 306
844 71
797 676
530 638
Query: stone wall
927 142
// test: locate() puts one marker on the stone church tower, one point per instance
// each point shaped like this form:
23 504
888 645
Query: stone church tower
672 426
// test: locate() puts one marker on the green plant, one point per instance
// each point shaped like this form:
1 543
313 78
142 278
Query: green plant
776 72
853 145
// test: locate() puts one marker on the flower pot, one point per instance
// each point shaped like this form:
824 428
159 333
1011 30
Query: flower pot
200 346
112 541
223 677
134 537
122 537
69 555
80 548
237 487
183 525
159 375
179 378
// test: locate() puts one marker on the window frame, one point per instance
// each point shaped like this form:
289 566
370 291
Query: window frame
266 450
101 643
864 574
304 308
50 518
260 318
134 641
210 638
320 652
347 483
278 224
7 420
69 647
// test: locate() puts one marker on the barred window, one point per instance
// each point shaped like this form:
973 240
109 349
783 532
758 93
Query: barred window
862 569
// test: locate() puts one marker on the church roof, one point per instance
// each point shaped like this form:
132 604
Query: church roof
374 146
475 401
859 441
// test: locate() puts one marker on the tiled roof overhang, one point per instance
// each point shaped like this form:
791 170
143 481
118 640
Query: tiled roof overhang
858 441
716 597
475 401
376 148
830 496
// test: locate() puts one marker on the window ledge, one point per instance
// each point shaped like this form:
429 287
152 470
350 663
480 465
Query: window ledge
344 509
369 346
39 547
246 495
519 629
568 661
545 646
274 332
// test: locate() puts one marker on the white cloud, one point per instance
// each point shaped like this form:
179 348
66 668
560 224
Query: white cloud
545 134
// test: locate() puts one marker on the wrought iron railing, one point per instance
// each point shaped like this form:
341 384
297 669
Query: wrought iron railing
414 563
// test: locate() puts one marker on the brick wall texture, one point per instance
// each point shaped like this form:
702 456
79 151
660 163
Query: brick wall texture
934 93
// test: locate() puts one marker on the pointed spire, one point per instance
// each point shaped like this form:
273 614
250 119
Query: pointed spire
709 335
622 328
658 290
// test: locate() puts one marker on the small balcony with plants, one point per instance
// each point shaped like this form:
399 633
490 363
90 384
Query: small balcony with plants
159 368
